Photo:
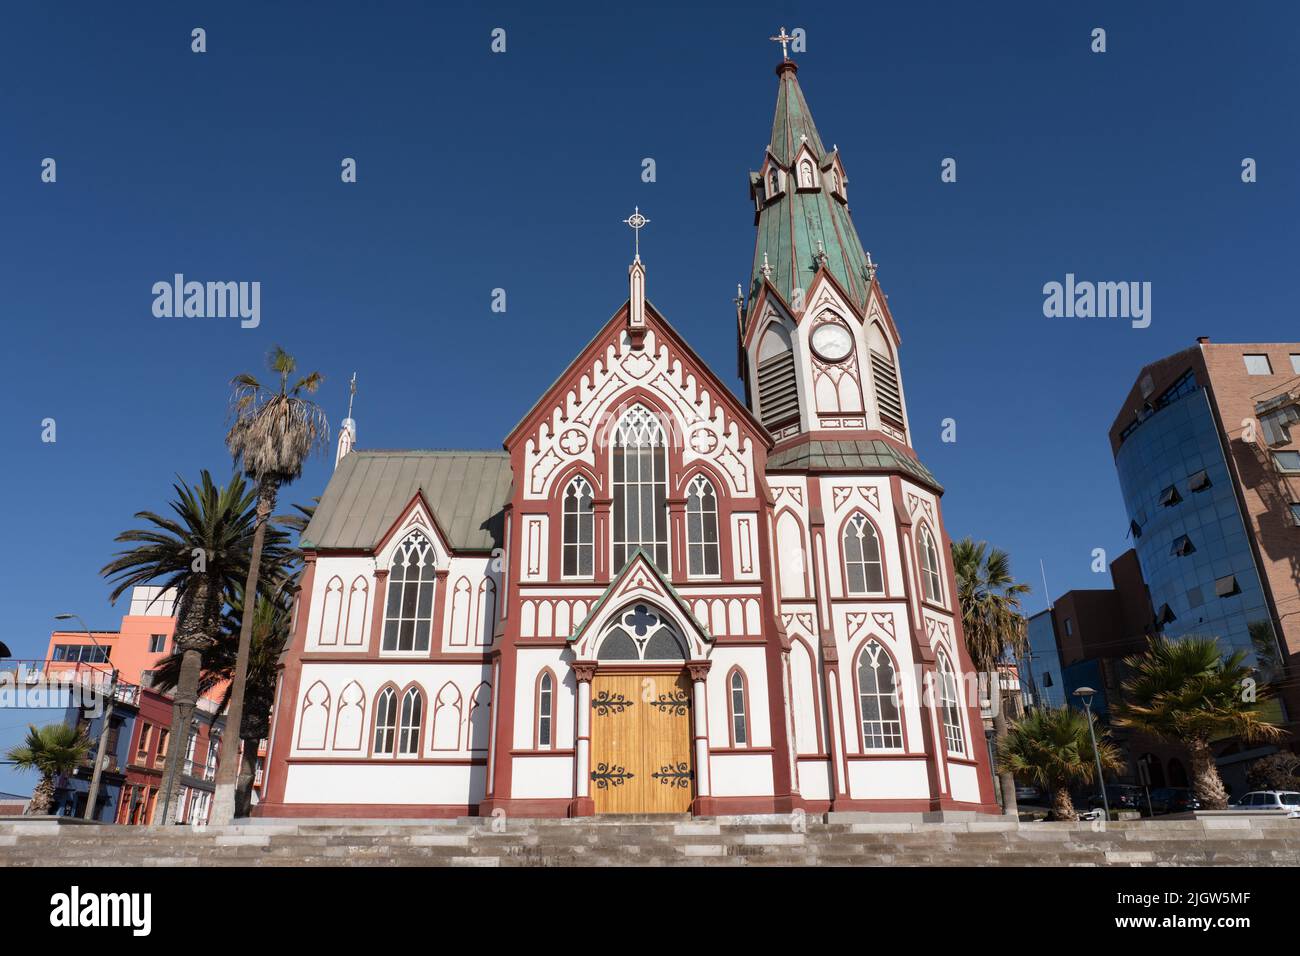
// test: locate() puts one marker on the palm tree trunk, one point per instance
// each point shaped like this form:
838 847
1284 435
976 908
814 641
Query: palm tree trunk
1062 805
247 772
1007 780
191 631
223 804
42 801
1206 782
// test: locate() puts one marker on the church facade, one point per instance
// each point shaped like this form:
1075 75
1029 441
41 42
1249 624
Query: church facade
656 598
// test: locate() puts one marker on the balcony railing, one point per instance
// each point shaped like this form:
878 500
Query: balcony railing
30 675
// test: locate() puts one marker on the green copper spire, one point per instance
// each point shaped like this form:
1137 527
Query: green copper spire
805 223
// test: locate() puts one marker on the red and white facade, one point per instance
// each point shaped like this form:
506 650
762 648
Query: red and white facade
653 519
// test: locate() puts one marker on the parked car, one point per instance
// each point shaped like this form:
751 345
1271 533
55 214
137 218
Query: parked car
1028 793
1288 800
1120 796
1173 800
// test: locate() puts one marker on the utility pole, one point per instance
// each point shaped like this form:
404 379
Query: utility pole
92 798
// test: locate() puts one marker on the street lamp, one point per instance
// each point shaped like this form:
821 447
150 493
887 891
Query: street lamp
1085 694
93 797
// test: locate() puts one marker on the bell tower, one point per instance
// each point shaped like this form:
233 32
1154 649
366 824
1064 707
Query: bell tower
819 349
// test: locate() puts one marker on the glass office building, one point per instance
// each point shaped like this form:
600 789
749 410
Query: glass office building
1040 668
1187 525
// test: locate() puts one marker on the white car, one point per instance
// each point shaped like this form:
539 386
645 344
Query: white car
1286 800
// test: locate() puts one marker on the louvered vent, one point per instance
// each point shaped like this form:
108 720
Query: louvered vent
891 403
778 392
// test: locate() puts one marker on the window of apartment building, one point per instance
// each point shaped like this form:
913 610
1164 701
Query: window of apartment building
1182 546
1069 627
1170 496
1227 586
142 751
1258 365
1295 363
1287 461
164 735
157 643
86 653
1199 481
1295 513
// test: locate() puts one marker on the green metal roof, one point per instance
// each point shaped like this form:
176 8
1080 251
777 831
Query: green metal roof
467 491
790 228
861 456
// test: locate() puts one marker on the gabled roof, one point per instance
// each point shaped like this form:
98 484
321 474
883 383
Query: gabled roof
466 490
791 228
722 395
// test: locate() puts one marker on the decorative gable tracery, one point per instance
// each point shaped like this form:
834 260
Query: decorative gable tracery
700 427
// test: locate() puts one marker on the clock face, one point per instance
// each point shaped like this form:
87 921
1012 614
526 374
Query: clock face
832 342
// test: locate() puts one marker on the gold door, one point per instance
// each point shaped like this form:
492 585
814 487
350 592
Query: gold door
641 743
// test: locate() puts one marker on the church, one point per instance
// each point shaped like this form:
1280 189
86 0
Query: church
656 597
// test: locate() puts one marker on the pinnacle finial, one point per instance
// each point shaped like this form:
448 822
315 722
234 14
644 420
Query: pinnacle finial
871 267
767 269
784 39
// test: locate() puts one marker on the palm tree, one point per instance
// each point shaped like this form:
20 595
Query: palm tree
1052 747
1185 691
202 553
52 751
272 435
993 625
271 626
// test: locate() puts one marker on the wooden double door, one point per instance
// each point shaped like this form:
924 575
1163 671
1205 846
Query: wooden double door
641 758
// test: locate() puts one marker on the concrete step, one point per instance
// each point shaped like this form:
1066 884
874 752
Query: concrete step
658 841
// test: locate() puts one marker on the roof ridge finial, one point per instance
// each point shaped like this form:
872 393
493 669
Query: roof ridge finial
767 269
637 222
870 268
348 433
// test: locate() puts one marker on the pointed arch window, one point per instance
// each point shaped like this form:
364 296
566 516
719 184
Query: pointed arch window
884 374
579 530
701 527
640 488
408 734
950 708
863 569
545 711
738 706
930 575
778 389
882 725
386 721
806 174
409 616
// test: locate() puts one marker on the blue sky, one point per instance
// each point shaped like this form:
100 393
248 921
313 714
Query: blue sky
479 171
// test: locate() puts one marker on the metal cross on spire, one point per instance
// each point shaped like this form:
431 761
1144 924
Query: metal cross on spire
784 39
637 222
352 392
